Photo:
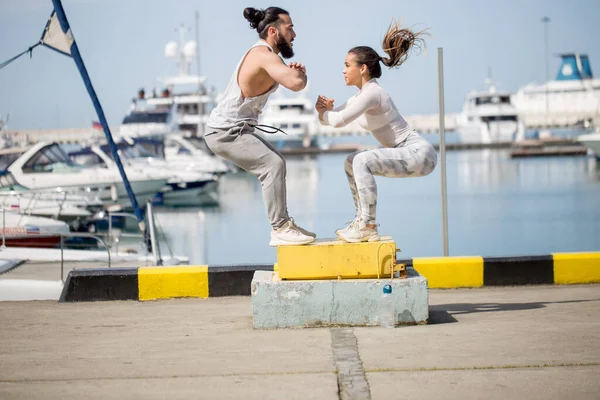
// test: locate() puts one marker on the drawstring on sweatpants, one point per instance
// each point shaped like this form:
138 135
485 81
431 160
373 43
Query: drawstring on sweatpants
267 131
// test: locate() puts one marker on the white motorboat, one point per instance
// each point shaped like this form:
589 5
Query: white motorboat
183 104
58 205
487 117
592 142
295 116
45 166
183 187
18 230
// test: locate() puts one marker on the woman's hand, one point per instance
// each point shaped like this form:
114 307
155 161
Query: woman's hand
323 104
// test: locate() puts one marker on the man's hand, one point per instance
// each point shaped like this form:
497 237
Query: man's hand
298 66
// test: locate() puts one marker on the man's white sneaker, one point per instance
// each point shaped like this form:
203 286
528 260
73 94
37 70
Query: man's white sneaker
359 232
288 235
304 231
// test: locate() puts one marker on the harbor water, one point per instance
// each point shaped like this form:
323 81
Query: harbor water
497 206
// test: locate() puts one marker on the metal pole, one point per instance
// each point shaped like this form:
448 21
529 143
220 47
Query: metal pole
545 21
3 227
155 249
443 150
62 262
110 238
201 93
197 19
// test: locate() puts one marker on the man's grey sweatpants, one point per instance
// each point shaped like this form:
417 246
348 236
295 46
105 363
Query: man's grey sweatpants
252 153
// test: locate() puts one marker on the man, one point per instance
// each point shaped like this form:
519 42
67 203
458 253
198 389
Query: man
231 124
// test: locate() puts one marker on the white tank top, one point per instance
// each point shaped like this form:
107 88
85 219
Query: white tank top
233 107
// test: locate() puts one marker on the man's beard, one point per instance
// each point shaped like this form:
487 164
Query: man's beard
284 47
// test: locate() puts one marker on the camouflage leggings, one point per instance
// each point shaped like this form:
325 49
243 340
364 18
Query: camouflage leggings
413 158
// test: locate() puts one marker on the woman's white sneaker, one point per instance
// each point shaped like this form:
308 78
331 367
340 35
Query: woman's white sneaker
350 224
289 235
359 232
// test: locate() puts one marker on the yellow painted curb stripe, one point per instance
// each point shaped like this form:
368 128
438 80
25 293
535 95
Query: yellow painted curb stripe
576 267
451 272
170 282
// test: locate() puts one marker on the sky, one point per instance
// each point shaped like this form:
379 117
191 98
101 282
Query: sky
122 43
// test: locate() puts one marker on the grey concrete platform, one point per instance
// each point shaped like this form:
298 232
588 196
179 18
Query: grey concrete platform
347 302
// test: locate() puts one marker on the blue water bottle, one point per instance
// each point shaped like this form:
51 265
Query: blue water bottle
387 318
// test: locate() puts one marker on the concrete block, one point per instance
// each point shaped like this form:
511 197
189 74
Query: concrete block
279 303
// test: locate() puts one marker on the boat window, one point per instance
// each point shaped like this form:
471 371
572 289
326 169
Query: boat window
48 159
295 126
495 118
7 159
484 100
129 151
175 147
150 148
492 100
283 126
88 159
291 106
197 142
7 180
188 108
146 117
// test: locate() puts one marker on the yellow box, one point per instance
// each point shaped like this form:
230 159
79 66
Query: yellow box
451 272
171 282
334 258
572 268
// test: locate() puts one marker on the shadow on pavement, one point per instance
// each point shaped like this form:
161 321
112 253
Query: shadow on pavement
444 313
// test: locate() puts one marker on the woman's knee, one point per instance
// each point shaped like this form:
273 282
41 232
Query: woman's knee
360 161
349 161
429 161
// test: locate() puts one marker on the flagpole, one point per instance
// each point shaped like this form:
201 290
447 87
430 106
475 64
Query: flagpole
64 24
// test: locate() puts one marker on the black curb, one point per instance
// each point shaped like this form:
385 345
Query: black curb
101 284
520 270
234 280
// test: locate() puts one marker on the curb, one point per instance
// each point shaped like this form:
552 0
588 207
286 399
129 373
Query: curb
548 269
154 283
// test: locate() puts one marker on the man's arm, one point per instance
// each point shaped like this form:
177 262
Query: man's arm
293 78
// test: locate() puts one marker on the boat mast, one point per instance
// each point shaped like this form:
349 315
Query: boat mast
74 52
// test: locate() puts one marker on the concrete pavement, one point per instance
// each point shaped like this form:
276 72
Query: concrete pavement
504 342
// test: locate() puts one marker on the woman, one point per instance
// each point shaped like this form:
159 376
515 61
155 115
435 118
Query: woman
405 153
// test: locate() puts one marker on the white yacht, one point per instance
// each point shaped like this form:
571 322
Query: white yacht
186 153
58 205
294 118
487 117
183 103
591 141
20 230
47 166
183 188
572 98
